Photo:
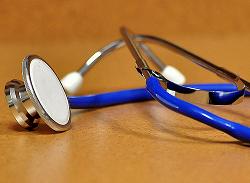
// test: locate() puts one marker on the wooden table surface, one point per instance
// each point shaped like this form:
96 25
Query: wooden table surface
140 142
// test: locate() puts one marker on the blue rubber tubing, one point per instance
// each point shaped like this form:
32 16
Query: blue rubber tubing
233 129
133 95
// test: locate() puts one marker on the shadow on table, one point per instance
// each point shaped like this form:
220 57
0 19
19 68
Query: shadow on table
41 129
187 138
159 126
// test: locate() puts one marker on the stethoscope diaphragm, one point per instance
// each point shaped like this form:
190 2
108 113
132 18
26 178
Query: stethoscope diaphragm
40 94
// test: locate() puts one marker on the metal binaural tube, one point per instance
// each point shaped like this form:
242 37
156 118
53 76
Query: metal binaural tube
115 45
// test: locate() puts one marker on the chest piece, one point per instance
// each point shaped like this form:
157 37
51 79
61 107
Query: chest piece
39 95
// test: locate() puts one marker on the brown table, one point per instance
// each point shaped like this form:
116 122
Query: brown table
141 142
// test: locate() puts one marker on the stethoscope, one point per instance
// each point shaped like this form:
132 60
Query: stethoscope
42 95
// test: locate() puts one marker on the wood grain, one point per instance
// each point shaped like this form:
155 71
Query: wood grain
141 142
60 20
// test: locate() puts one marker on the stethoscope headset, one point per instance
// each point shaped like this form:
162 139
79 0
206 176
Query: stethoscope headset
42 95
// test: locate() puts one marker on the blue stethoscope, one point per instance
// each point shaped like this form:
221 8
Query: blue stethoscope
40 89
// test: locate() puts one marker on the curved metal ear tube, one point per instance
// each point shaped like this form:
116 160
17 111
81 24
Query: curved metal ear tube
74 80
220 71
186 93
39 95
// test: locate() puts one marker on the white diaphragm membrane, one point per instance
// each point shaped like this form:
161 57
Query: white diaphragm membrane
49 92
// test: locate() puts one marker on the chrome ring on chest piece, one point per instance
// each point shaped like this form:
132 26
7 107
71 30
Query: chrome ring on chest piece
39 95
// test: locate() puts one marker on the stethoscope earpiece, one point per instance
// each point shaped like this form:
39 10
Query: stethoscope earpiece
39 95
72 82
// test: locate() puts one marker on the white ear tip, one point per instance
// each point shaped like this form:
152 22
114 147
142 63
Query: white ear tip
174 75
72 82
